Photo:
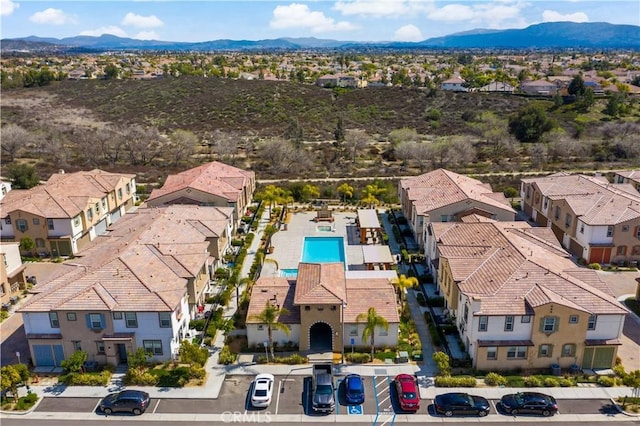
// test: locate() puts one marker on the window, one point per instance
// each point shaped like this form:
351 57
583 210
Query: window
573 319
120 194
557 212
165 319
36 221
39 243
525 319
260 327
128 188
609 231
621 251
567 220
483 323
625 228
638 232
528 192
117 315
444 218
104 204
97 206
545 203
131 319
100 347
76 221
383 332
71 316
466 313
549 325
635 250
95 321
307 307
50 226
77 345
568 349
591 325
545 351
516 352
353 330
7 221
508 323
154 347
53 319
492 352
22 225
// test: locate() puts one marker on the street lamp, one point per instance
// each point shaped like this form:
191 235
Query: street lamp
344 305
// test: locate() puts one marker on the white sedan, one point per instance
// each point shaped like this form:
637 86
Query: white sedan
262 390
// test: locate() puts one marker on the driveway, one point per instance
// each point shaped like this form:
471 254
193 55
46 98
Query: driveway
624 284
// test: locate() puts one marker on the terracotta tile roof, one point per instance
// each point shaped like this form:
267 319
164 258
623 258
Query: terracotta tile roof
513 266
273 289
142 263
363 294
215 178
441 187
319 283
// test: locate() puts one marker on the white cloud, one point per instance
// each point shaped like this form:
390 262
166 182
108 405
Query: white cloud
112 29
452 12
408 33
147 35
390 8
52 17
7 7
140 21
298 15
496 14
553 16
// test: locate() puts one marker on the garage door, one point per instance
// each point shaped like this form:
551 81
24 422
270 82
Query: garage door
101 227
48 355
598 357
115 215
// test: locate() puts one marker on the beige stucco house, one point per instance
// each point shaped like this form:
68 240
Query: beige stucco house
12 277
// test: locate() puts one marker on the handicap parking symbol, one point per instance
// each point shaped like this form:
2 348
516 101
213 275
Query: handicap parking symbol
355 409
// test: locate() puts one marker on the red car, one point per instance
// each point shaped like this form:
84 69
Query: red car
407 392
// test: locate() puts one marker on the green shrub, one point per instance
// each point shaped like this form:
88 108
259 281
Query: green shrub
433 114
436 302
196 372
550 382
442 361
606 381
566 383
358 357
455 382
291 359
421 300
226 356
197 324
532 382
134 377
618 369
86 379
495 379
433 332
595 266
26 402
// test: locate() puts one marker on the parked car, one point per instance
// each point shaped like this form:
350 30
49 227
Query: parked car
407 392
262 390
354 389
530 403
133 401
461 403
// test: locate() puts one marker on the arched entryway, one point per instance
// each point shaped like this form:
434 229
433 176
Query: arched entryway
320 337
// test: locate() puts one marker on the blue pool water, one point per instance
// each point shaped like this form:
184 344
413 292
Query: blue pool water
323 250
288 273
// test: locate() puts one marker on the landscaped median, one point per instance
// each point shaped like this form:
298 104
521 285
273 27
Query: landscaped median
13 377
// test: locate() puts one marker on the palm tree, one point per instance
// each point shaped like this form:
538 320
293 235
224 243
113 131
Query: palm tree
400 284
269 316
372 320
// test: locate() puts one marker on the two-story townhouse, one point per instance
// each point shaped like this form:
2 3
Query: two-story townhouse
445 196
454 84
12 278
518 300
628 176
322 305
212 184
64 214
595 220
5 187
137 286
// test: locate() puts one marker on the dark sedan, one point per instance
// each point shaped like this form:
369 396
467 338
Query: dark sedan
461 403
354 389
529 403
132 401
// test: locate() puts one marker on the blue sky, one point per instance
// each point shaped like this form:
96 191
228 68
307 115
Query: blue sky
357 20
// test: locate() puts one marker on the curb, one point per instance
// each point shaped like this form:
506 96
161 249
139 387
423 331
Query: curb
621 410
25 412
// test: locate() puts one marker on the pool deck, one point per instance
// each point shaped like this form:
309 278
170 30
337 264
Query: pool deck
288 244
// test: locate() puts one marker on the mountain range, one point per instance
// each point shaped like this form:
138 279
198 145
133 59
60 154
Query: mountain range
550 35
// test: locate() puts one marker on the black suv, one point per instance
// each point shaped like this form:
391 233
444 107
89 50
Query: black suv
530 403
133 401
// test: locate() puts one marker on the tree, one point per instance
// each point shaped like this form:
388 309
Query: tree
270 316
346 191
442 360
355 140
530 123
401 283
14 139
22 176
372 321
404 134
338 132
111 72
27 245
585 101
273 195
576 87
74 362
12 376
294 132
182 145
191 353
370 194
309 192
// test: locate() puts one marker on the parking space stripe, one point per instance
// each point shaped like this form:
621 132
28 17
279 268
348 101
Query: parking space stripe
156 407
278 397
97 405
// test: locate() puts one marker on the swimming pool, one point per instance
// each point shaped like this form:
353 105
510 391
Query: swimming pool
323 250
288 273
